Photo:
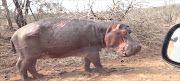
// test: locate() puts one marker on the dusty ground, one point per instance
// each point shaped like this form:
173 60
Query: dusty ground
145 66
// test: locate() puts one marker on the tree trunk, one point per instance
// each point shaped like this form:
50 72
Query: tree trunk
4 3
26 8
20 20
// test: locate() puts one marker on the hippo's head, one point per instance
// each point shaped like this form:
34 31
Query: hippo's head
119 36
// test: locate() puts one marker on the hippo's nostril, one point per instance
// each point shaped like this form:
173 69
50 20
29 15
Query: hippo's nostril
138 46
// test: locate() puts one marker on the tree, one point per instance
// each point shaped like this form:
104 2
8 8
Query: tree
120 8
168 11
4 3
19 18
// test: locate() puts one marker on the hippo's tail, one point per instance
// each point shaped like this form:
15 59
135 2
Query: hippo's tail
12 46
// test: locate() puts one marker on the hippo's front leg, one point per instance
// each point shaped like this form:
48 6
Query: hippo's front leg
87 65
94 58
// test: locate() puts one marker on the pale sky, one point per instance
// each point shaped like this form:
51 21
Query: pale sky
100 5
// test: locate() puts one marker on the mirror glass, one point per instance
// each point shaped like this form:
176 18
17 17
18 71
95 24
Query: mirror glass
173 51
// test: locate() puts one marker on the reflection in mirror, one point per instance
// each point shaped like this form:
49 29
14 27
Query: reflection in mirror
174 46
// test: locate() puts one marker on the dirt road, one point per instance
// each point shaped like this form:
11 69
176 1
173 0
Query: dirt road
146 66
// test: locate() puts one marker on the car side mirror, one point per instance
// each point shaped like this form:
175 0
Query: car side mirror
171 46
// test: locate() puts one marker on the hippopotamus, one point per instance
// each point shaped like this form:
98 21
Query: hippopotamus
62 37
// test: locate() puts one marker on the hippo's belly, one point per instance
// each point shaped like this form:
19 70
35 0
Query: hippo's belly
61 53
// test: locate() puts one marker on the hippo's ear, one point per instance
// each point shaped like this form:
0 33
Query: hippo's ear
128 29
123 26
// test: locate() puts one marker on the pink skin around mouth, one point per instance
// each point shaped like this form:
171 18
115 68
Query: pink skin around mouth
122 47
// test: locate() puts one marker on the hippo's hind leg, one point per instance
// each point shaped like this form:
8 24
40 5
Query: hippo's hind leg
32 69
27 64
18 64
23 67
87 65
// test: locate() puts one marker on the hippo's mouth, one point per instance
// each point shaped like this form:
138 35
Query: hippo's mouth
126 50
122 48
122 53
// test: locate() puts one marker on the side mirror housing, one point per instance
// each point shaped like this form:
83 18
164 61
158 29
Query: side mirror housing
171 46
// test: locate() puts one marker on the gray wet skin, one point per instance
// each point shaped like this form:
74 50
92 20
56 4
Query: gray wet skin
60 38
